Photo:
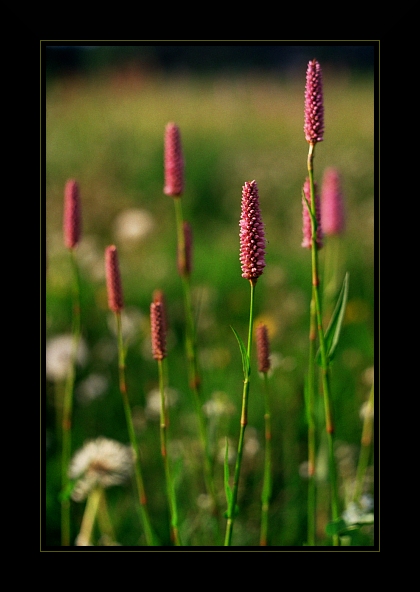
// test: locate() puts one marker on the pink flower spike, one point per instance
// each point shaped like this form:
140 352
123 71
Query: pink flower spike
158 329
332 205
263 349
314 104
72 216
252 238
113 279
307 227
174 162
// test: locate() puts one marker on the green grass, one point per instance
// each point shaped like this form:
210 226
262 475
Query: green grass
107 132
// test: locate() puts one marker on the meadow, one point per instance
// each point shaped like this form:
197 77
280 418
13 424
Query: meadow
107 132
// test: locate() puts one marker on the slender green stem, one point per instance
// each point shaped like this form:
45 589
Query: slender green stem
366 443
170 489
144 514
266 491
244 421
311 427
192 361
89 516
68 403
324 360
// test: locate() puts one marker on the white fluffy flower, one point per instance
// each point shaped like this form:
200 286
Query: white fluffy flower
58 356
101 462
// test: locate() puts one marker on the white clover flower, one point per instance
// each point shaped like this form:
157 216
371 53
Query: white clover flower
101 462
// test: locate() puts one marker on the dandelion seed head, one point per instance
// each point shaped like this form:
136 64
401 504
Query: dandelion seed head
100 462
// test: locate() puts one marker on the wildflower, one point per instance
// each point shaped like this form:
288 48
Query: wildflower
252 239
332 207
263 349
174 161
314 104
307 227
113 279
158 332
72 219
101 462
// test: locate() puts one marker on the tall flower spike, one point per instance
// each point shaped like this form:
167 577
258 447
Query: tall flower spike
314 104
252 238
72 216
263 349
307 227
174 161
184 255
158 329
332 206
113 279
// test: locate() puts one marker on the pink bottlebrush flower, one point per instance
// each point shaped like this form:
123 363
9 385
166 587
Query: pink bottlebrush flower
72 216
159 296
314 104
158 329
252 238
332 206
263 348
174 161
307 227
113 279
184 255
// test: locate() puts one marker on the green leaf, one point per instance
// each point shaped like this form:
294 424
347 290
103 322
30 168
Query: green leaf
244 354
65 494
335 527
332 334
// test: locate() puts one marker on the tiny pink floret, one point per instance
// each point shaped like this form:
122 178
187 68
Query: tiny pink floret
252 236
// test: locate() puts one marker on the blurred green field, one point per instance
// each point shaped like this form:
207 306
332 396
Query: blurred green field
107 132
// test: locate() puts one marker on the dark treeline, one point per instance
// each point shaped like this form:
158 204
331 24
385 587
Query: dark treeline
199 57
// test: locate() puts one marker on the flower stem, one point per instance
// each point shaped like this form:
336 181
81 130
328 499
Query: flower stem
266 491
191 353
170 490
89 516
244 420
324 360
144 514
311 426
68 403
366 442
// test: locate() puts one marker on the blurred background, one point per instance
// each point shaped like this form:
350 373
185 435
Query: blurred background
240 111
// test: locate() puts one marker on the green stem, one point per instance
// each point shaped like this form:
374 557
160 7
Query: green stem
311 426
192 361
324 360
170 490
144 514
266 491
68 403
244 421
89 516
366 442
